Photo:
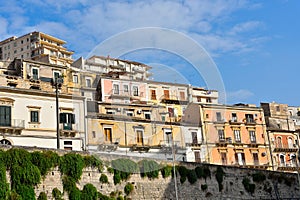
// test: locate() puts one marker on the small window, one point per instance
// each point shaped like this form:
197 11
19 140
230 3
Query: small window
116 89
198 99
207 116
126 89
233 117
135 91
219 118
182 95
129 113
147 115
208 100
34 116
56 75
88 82
277 109
153 95
75 78
166 94
221 134
35 73
94 134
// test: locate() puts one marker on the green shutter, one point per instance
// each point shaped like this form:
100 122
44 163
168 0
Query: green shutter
62 118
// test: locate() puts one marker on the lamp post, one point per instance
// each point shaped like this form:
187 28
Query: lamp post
57 81
173 156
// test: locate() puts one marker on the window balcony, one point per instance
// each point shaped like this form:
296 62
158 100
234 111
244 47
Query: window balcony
285 148
14 126
68 129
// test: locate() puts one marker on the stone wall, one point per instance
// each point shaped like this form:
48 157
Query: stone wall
163 188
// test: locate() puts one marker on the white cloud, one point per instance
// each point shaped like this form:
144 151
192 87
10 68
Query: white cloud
86 23
245 27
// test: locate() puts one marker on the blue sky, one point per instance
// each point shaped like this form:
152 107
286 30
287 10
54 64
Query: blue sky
254 44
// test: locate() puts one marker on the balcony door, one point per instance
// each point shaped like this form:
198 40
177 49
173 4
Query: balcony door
5 116
108 134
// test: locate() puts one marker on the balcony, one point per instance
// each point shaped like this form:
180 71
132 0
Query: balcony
250 122
14 126
125 94
193 144
285 148
291 167
109 145
234 122
173 100
68 129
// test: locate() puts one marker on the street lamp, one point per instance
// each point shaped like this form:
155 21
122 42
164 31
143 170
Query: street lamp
57 82
173 155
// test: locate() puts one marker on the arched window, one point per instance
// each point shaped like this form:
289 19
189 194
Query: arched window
5 142
282 161
290 143
278 142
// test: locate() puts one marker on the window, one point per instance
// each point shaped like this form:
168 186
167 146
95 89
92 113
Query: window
88 82
135 91
224 158
75 78
168 136
194 138
56 76
240 158
198 99
108 134
5 116
206 116
35 73
67 119
94 134
163 118
197 156
110 111
208 100
255 158
252 136
182 95
129 113
171 112
166 94
277 109
282 160
219 117
221 134
147 115
139 137
153 95
249 118
290 143
126 89
34 116
68 145
237 135
278 142
233 117
116 89
15 44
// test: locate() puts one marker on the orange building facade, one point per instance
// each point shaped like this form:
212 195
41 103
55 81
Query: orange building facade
235 135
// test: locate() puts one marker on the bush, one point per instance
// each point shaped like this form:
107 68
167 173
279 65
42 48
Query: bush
203 187
124 167
92 161
219 176
192 176
44 161
4 186
182 179
56 194
249 187
200 172
128 188
14 196
110 170
75 194
26 192
89 192
149 168
206 172
68 183
120 198
166 171
71 165
103 178
258 177
42 196
117 178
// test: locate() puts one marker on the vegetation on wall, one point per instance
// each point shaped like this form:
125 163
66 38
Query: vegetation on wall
28 168
149 168
249 187
219 177
128 188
